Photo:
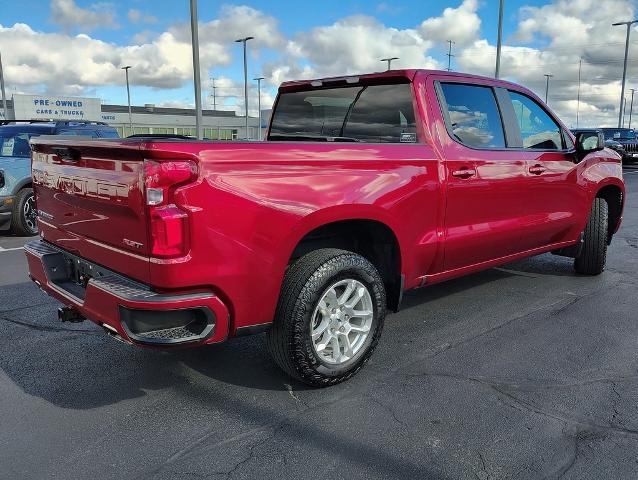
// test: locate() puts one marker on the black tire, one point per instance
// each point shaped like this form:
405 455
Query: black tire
290 341
594 253
23 218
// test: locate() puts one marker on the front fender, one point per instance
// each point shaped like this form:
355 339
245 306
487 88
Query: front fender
602 171
17 174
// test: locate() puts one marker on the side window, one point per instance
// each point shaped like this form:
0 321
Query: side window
383 113
538 130
473 115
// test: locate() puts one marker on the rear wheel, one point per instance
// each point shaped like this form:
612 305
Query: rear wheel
23 219
593 256
329 317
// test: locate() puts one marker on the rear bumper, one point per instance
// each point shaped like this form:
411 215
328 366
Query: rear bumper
138 315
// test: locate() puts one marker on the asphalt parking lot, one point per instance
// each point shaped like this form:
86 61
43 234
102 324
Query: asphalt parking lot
527 371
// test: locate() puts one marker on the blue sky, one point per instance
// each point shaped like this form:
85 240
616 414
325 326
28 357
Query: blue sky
298 39
292 17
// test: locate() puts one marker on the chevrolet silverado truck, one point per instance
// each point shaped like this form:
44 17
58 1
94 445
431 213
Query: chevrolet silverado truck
366 187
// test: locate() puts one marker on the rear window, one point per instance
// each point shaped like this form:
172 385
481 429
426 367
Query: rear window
108 133
372 114
15 145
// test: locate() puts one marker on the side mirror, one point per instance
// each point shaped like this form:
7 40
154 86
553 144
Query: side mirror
588 142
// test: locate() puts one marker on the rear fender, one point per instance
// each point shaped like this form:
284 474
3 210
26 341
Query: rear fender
334 214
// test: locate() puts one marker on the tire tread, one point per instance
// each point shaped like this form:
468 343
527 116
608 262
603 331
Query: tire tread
593 257
285 339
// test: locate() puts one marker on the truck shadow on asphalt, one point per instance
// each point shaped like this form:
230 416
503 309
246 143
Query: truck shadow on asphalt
77 366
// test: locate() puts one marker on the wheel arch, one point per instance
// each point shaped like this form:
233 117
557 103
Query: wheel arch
21 185
370 237
614 196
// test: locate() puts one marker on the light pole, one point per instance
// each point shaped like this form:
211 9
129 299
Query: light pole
214 95
500 39
258 80
4 97
631 107
389 60
449 56
196 71
624 70
580 66
243 41
128 94
547 76
624 111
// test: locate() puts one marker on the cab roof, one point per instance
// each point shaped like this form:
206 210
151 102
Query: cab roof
389 75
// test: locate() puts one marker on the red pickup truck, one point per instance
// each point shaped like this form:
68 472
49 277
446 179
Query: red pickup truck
367 186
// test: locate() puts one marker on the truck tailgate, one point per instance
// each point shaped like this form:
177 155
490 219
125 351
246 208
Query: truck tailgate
90 200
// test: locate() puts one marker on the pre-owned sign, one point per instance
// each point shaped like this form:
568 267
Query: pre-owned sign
46 107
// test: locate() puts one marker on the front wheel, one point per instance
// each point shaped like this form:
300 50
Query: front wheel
593 256
329 317
23 219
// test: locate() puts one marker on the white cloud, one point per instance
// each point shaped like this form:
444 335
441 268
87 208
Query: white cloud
549 38
351 45
233 23
136 16
230 96
461 24
569 31
64 63
70 17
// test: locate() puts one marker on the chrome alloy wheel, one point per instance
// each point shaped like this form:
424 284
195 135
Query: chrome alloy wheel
30 213
342 321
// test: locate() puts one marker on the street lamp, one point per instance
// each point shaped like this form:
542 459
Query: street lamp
258 80
631 108
4 97
624 70
499 40
547 76
243 41
389 60
128 93
197 79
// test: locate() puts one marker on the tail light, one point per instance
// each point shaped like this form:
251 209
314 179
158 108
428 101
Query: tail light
169 223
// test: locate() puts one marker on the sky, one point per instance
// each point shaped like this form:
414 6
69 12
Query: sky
76 47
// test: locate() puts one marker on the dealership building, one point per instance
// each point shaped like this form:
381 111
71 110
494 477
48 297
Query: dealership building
217 124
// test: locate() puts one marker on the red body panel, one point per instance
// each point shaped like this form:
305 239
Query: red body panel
253 202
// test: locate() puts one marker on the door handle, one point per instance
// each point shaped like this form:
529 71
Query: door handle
464 173
537 169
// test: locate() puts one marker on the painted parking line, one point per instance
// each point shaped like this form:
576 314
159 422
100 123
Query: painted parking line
10 249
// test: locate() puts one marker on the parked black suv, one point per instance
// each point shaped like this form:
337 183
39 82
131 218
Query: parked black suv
625 137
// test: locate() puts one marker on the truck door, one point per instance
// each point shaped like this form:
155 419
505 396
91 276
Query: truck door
553 199
483 177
